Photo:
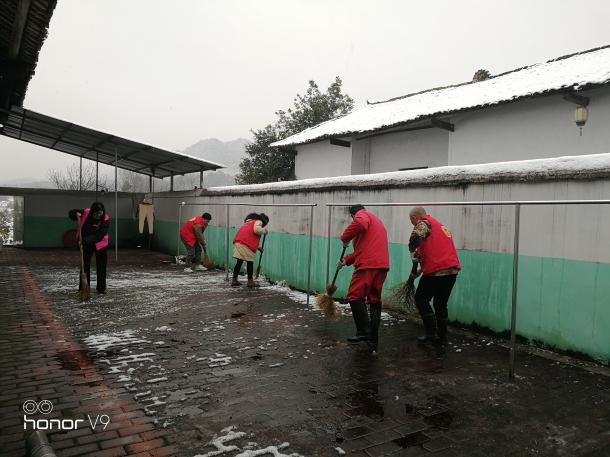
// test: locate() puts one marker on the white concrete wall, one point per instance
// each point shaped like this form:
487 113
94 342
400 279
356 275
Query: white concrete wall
416 149
322 160
531 129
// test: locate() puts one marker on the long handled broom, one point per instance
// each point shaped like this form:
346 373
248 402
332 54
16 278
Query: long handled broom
325 301
207 262
410 286
258 268
84 293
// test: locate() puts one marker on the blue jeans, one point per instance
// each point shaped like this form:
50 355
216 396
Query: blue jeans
193 254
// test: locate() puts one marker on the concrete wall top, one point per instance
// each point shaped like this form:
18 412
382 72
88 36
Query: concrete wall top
593 166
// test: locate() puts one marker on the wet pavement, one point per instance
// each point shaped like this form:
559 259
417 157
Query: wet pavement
184 364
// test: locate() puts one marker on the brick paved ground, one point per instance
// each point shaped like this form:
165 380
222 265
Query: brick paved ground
176 359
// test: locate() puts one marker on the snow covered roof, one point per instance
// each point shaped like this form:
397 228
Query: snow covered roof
569 167
573 72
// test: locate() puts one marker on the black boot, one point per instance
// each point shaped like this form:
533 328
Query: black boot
430 327
375 312
441 331
361 319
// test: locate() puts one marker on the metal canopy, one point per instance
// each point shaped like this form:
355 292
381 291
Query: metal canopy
53 133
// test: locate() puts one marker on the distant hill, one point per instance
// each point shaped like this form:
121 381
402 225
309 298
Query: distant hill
227 153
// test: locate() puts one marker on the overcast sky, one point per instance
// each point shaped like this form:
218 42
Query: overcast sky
173 72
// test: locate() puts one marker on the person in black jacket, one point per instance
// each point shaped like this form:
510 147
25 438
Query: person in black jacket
94 226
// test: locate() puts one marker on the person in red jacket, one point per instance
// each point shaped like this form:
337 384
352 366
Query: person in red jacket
191 234
245 245
432 246
371 260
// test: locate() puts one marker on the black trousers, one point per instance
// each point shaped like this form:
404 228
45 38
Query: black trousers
437 288
249 268
101 261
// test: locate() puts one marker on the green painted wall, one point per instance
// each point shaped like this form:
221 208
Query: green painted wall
47 232
563 303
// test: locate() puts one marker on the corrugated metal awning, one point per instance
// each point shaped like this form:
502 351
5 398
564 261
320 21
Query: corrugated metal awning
74 139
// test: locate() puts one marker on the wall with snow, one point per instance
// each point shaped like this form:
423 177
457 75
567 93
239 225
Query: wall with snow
538 128
321 160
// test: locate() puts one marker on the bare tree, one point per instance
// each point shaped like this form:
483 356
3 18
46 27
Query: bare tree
70 179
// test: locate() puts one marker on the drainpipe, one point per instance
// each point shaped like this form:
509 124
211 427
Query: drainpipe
37 445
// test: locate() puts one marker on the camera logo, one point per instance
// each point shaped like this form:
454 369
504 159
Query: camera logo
31 407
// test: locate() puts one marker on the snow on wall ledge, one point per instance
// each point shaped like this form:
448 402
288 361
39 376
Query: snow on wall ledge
570 73
593 166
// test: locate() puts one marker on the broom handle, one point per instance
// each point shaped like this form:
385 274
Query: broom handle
258 268
414 268
337 270
80 245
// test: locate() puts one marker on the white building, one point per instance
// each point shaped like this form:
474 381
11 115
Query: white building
527 113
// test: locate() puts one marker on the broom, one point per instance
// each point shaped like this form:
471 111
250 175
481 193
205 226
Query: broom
325 301
207 262
410 286
84 294
258 268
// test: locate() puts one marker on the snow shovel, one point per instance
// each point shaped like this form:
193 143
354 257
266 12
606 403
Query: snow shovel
84 294
325 301
258 268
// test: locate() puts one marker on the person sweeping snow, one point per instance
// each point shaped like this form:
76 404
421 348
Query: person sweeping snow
191 234
245 245
94 225
371 260
432 246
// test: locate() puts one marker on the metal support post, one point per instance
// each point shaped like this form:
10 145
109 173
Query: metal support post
309 255
178 231
116 205
80 174
227 241
330 215
201 179
513 316
171 183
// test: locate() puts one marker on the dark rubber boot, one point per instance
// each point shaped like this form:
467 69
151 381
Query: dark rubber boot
430 326
252 283
235 282
361 319
375 314
441 331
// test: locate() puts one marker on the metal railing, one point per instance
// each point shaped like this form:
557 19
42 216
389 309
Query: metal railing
227 229
517 204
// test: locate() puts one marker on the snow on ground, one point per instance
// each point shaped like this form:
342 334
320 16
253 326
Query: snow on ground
229 434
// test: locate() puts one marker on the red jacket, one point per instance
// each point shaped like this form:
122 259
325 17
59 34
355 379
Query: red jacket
437 251
370 240
104 241
246 236
187 233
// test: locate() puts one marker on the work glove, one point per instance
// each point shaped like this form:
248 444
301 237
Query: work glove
261 249
340 264
345 245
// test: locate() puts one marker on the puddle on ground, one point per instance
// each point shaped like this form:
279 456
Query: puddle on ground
365 403
414 439
73 360
441 420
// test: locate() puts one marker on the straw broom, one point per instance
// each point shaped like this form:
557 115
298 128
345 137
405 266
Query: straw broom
84 294
325 301
207 262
